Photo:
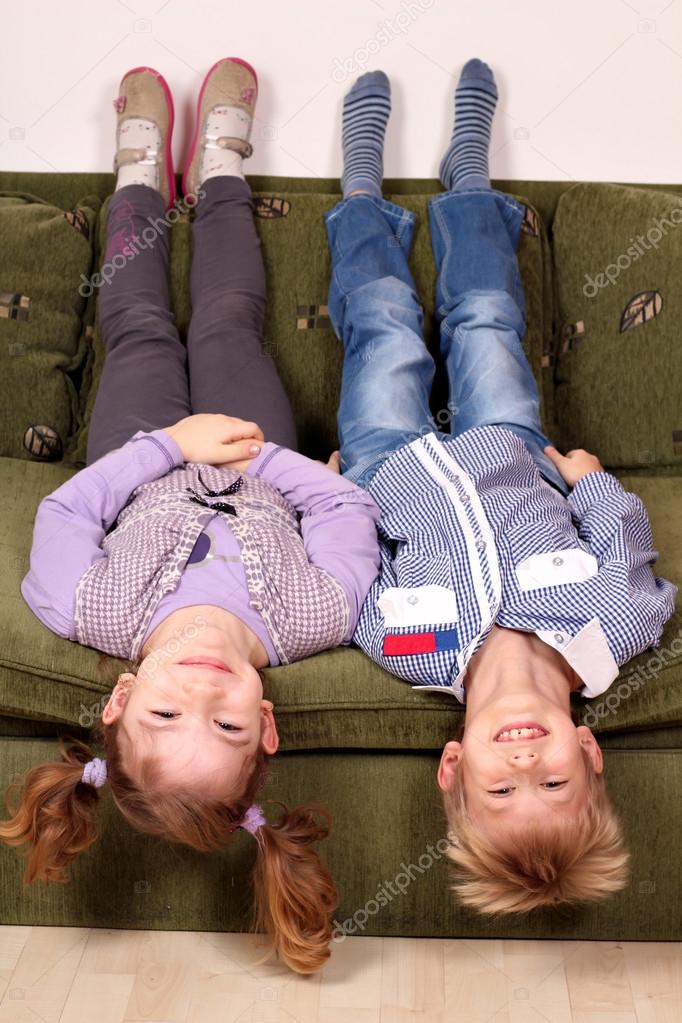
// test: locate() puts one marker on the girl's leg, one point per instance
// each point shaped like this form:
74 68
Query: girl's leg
230 371
373 305
479 295
144 380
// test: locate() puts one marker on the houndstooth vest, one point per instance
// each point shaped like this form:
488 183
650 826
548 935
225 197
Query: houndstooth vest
304 608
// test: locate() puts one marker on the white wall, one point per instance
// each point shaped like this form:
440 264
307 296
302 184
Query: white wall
590 89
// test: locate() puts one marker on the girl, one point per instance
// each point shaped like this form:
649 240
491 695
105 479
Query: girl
196 548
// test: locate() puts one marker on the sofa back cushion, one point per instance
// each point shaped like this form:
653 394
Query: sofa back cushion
44 254
618 261
298 332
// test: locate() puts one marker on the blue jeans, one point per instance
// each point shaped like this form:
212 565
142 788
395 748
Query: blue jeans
388 371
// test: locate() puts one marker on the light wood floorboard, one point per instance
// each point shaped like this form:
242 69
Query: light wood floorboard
81 975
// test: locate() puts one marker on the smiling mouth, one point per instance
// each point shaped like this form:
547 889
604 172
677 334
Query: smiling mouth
525 730
207 662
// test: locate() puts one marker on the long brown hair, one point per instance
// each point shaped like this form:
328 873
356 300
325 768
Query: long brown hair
55 818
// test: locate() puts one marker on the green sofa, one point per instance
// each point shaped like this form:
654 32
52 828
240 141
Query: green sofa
609 362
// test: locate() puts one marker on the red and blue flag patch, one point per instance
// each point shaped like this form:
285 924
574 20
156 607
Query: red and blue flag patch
420 643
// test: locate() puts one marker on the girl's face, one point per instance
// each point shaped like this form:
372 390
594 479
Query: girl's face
200 711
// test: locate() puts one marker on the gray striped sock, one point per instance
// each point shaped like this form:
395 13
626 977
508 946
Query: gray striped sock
465 164
365 116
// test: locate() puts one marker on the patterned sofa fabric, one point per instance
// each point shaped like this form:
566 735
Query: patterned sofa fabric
338 698
618 258
46 253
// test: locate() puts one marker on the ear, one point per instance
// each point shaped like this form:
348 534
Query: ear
269 739
591 747
449 764
118 699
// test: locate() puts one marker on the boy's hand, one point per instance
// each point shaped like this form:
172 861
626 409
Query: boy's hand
574 464
217 440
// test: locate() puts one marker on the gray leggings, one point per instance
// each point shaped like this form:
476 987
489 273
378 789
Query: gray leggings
150 379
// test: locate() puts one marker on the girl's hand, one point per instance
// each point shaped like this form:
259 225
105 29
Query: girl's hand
217 440
574 464
334 463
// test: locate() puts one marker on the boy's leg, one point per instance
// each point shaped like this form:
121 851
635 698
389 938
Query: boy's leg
387 370
373 305
479 295
230 371
144 380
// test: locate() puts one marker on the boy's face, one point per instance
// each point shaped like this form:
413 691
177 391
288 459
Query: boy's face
512 778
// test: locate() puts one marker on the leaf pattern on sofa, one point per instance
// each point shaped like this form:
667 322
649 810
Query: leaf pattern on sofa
640 309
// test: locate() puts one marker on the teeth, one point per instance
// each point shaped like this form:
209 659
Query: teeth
520 733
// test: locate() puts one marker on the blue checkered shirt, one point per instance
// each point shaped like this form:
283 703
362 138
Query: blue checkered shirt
471 536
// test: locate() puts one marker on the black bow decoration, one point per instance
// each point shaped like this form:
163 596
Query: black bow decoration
223 506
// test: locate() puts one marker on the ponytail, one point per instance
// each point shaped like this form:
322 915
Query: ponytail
294 892
55 815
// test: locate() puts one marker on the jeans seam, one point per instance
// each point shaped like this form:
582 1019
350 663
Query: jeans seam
445 237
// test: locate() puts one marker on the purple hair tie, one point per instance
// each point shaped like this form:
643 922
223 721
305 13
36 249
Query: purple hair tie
253 819
95 772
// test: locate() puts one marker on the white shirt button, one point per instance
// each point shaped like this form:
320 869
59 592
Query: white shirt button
558 637
480 543
557 561
465 499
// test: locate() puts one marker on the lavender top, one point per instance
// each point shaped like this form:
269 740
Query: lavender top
337 522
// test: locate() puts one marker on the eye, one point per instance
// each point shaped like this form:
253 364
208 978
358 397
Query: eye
500 792
169 715
554 784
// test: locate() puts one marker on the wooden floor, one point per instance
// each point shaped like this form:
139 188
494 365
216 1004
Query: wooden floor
77 975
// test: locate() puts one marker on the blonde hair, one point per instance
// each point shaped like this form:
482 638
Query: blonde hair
583 860
55 815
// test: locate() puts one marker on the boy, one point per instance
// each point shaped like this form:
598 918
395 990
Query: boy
499 583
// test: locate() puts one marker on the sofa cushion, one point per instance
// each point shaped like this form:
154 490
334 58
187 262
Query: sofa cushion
385 854
297 330
43 253
338 699
618 260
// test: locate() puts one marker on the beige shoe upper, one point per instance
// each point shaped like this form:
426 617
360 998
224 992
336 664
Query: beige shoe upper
142 94
227 84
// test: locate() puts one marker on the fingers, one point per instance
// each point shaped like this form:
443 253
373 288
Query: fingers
237 451
552 453
240 429
334 462
231 428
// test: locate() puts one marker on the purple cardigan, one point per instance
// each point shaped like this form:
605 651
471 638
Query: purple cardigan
337 523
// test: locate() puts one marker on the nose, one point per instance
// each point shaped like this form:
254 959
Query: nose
523 759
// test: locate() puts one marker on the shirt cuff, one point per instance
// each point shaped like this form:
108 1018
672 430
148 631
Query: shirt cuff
164 444
589 655
258 464
591 488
